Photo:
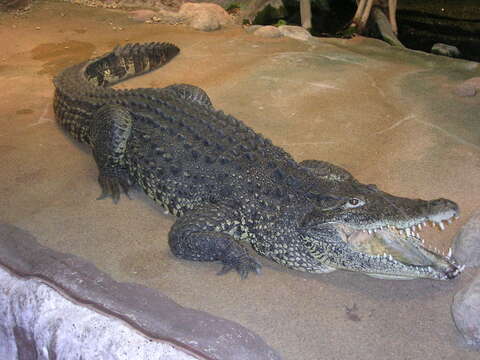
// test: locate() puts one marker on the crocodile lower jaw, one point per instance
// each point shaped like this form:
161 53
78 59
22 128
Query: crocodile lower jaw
405 246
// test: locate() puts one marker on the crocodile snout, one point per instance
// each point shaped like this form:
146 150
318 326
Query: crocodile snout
443 205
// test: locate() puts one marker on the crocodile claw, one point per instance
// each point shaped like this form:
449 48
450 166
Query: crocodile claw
243 266
113 186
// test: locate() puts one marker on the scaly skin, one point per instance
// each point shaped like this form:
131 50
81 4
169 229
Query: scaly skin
230 185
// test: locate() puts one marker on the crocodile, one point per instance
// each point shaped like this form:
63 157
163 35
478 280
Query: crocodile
230 187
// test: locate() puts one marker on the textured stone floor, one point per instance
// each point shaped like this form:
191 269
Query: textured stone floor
389 116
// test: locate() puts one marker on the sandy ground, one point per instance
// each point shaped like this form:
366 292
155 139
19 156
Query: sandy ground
389 116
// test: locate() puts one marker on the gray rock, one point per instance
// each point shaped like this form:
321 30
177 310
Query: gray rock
468 87
295 32
33 310
268 32
466 312
445 50
147 311
466 245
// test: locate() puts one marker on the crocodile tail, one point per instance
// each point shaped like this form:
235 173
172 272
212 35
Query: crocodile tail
127 61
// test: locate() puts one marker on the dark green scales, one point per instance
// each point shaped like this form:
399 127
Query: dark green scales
230 186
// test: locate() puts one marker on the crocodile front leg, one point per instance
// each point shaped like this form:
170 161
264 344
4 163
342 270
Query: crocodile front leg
205 235
109 133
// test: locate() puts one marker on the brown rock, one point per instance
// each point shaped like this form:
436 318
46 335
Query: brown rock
204 16
250 29
468 87
142 15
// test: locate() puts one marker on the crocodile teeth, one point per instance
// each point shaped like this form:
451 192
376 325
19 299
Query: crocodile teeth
449 252
441 225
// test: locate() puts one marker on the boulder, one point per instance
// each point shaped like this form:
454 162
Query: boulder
466 245
468 88
204 16
55 305
466 312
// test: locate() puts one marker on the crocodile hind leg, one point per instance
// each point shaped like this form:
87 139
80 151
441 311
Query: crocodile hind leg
189 92
204 235
109 133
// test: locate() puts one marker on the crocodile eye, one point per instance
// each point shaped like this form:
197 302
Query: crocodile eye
354 202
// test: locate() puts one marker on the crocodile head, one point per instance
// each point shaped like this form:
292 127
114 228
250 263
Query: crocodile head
357 227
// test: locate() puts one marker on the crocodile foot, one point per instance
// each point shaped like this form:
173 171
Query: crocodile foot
243 265
113 186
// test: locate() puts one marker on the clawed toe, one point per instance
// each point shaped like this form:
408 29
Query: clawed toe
112 187
243 266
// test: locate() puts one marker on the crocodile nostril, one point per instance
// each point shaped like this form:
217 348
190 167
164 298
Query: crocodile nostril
445 204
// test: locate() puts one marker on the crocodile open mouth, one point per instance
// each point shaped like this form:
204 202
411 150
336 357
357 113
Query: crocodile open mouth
403 248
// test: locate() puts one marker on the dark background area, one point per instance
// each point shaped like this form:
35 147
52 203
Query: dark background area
422 23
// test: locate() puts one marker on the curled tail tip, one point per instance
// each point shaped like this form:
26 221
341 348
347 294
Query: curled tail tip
172 49
138 48
126 61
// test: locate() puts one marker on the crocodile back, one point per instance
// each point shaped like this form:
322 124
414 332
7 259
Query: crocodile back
182 152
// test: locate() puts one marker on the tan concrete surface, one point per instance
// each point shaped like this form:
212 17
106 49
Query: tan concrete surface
389 116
